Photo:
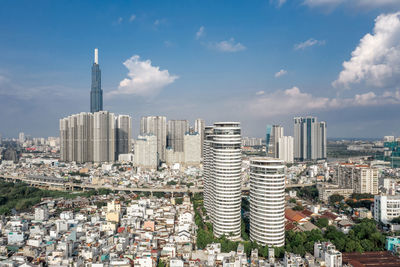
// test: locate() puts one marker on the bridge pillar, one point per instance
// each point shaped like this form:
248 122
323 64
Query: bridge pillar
151 193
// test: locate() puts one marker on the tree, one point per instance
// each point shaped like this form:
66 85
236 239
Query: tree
298 208
292 200
322 222
335 198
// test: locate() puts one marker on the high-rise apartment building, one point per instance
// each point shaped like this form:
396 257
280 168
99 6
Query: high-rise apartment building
207 167
361 178
267 201
96 93
285 149
92 137
223 162
146 155
274 132
103 136
199 126
123 135
156 125
175 134
192 149
309 139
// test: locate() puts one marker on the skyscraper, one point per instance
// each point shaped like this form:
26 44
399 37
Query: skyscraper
96 93
267 201
309 138
156 125
123 135
199 126
207 167
274 132
223 184
175 134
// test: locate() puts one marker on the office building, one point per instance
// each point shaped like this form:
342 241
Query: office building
96 93
123 135
267 201
309 139
274 132
146 155
156 125
386 208
103 136
192 149
361 178
175 134
199 127
285 149
223 183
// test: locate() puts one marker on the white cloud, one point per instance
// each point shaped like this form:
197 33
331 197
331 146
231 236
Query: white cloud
280 73
310 42
376 60
132 17
119 21
143 78
293 101
260 93
278 3
156 22
228 46
353 3
200 33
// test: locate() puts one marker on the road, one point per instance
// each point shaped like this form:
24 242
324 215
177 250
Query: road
61 184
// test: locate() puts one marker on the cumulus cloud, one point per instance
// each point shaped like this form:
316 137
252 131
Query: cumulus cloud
376 59
280 73
228 46
132 17
260 93
353 3
293 101
278 3
310 42
200 33
144 79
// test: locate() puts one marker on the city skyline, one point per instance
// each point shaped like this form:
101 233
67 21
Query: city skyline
205 68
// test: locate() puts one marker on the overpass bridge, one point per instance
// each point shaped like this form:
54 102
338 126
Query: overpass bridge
55 183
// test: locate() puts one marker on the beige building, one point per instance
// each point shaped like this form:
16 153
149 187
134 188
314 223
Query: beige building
361 178
328 190
146 155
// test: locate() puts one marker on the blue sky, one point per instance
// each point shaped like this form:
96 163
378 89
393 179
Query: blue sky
256 62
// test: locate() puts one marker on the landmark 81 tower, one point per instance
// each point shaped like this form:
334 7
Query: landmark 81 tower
96 94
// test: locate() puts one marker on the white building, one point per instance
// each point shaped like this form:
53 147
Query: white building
224 161
156 125
267 201
41 214
327 252
146 155
285 149
361 178
386 208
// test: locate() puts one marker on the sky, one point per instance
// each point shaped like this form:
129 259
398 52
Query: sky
256 62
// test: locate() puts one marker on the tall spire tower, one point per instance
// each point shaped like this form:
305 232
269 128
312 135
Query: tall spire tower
96 94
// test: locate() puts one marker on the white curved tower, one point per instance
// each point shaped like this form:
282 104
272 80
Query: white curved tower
267 201
224 180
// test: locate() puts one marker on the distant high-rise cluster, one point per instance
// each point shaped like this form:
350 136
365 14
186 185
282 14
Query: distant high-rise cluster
222 171
156 125
97 137
96 93
175 134
309 139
